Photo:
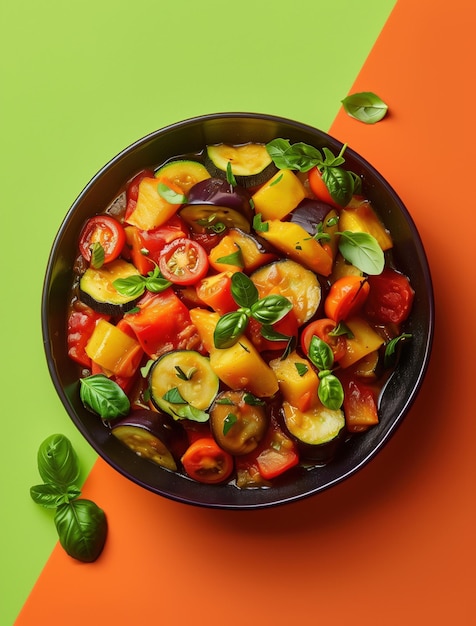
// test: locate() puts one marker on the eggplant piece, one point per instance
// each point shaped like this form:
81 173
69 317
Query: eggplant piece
309 213
204 218
238 422
220 192
318 432
96 288
152 435
251 164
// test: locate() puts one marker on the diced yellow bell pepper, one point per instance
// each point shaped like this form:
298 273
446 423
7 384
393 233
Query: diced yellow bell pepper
152 210
298 382
113 350
360 217
364 341
241 365
279 196
293 241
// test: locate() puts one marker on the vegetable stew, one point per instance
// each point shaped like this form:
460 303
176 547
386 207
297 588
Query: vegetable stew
235 313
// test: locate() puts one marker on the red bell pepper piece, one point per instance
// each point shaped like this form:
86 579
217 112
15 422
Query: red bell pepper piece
162 323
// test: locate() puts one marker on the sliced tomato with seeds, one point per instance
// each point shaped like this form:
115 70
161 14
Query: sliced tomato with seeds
206 462
183 262
106 231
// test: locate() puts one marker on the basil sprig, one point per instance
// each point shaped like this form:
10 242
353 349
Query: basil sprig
81 525
135 286
267 311
330 390
341 183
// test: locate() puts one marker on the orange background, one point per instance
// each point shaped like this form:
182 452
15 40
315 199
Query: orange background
395 544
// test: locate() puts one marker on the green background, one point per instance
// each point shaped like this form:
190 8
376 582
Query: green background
80 82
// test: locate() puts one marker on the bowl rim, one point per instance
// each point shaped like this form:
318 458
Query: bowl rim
429 296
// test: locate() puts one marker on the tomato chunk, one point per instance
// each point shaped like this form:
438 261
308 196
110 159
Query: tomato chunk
390 298
81 324
162 323
346 297
206 462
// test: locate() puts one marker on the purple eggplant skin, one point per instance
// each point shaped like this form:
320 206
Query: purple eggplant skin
220 192
157 424
309 213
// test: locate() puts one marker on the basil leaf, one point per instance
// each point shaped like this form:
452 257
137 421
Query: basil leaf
252 400
341 330
269 333
330 392
243 290
271 309
185 375
104 396
156 284
365 106
132 286
229 329
340 184
82 529
235 258
51 495
258 225
228 422
57 461
391 347
189 412
223 401
302 368
320 354
362 250
299 156
230 177
174 396
97 255
169 195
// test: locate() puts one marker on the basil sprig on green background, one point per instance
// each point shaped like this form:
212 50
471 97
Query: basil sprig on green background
267 311
81 525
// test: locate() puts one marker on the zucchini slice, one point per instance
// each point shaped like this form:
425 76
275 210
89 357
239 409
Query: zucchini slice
251 164
184 173
183 384
293 281
97 291
317 431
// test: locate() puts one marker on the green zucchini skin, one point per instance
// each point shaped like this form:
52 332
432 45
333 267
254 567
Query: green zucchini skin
250 163
189 374
97 291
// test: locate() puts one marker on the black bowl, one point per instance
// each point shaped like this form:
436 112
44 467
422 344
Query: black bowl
191 136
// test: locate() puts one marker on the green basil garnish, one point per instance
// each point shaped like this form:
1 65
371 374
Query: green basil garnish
135 286
330 390
169 195
228 422
103 396
365 106
362 250
81 525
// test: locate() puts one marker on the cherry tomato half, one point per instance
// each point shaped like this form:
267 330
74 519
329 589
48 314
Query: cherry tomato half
346 297
322 329
319 187
183 261
390 297
206 462
105 230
